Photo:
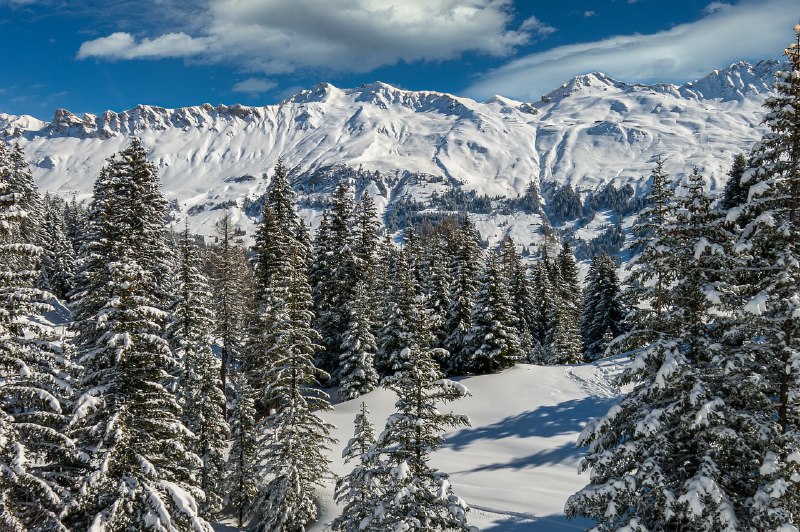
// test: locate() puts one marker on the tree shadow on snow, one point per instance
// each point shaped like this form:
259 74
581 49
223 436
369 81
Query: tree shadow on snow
543 422
555 523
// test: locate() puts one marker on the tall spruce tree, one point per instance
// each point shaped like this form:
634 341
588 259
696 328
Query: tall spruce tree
564 338
735 191
336 283
544 309
36 458
520 294
415 496
203 400
293 438
492 343
465 268
241 476
58 255
602 311
357 374
142 471
768 252
229 279
358 491
680 450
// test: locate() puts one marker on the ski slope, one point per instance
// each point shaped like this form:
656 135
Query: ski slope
517 464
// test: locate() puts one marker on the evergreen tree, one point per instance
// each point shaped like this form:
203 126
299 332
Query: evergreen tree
464 272
651 272
142 472
229 282
29 201
492 343
437 285
564 339
735 191
768 253
241 478
293 438
602 311
520 294
35 383
544 309
277 241
415 495
357 374
405 321
203 400
336 282
58 257
358 491
680 450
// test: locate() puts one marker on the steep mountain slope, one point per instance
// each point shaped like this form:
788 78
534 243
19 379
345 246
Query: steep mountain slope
591 131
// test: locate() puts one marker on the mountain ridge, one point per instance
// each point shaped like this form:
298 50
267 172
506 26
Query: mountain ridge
591 131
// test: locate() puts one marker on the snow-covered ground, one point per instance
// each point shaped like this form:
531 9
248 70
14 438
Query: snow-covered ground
517 464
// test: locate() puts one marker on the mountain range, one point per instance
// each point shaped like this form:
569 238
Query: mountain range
412 148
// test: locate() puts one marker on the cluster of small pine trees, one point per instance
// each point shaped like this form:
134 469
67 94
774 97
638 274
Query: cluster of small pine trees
709 436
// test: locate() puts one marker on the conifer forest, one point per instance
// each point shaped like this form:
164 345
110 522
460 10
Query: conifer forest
152 378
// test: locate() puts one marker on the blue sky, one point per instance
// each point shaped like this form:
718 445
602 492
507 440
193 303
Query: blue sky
93 55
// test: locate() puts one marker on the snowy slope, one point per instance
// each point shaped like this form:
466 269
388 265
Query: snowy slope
517 464
588 132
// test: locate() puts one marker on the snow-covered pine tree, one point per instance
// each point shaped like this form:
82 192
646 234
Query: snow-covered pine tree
293 438
520 294
405 321
651 272
602 311
35 382
203 400
58 257
415 496
241 476
681 449
735 191
437 284
276 242
544 309
492 343
142 472
357 374
29 201
358 491
230 279
367 240
336 282
564 339
465 268
768 250
75 219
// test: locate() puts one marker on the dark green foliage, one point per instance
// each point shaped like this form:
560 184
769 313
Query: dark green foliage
735 191
602 311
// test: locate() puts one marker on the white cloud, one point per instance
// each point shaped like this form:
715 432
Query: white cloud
122 45
254 86
713 7
272 36
750 29
589 13
537 26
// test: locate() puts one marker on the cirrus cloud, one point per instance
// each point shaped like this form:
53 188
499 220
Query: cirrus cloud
749 29
279 36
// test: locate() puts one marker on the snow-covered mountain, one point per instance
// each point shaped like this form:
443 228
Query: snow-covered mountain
590 131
